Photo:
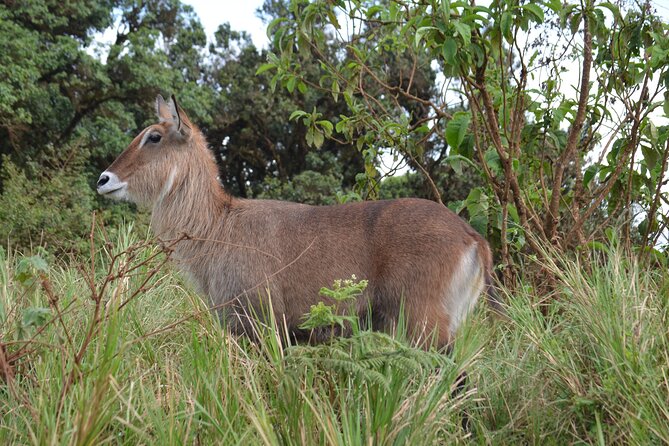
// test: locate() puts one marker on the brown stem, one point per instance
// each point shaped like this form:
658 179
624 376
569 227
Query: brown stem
428 178
552 213
656 200
492 125
606 187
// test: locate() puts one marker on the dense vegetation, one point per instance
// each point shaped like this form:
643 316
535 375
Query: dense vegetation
119 351
542 123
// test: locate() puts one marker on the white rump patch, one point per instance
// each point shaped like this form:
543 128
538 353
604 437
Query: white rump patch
465 288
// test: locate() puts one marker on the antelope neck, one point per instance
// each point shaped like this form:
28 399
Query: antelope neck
195 204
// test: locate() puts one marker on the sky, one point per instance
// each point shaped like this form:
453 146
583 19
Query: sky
240 14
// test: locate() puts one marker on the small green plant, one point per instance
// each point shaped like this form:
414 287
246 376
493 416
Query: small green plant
344 293
30 273
358 386
31 270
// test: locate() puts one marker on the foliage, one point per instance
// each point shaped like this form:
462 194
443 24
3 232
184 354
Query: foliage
32 210
57 91
319 184
515 103
252 135
344 294
63 95
454 185
591 368
307 187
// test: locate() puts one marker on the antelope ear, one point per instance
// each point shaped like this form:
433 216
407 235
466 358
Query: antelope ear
179 118
163 110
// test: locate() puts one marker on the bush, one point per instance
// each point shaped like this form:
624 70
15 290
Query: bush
319 184
51 210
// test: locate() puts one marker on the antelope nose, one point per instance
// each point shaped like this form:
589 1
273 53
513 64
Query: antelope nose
104 178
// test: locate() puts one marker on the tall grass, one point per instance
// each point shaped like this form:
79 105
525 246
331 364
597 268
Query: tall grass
592 367
116 349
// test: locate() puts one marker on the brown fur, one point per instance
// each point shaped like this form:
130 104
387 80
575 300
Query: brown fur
411 250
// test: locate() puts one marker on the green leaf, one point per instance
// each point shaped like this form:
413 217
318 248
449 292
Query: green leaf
535 11
373 10
35 317
273 82
290 86
456 164
613 8
477 207
505 25
335 90
650 155
594 246
479 54
343 124
491 158
319 138
421 32
275 24
446 9
652 132
456 129
333 19
466 148
319 315
449 49
513 213
327 126
575 23
464 30
310 136
265 67
29 270
554 5
589 174
297 114
618 144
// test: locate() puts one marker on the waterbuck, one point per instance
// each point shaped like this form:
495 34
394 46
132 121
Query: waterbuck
416 254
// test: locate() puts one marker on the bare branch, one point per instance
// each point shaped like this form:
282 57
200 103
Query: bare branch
552 213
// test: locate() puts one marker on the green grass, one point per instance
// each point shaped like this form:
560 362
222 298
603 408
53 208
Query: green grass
143 361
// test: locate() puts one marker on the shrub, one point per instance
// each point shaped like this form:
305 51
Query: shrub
51 210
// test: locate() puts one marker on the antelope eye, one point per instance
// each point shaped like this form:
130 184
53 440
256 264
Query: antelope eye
155 137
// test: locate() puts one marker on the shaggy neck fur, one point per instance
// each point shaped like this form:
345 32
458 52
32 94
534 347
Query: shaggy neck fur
195 203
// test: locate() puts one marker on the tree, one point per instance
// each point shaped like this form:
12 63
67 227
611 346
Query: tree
68 105
55 88
251 132
510 125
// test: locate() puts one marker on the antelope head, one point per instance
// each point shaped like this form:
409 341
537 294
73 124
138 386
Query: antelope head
148 169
